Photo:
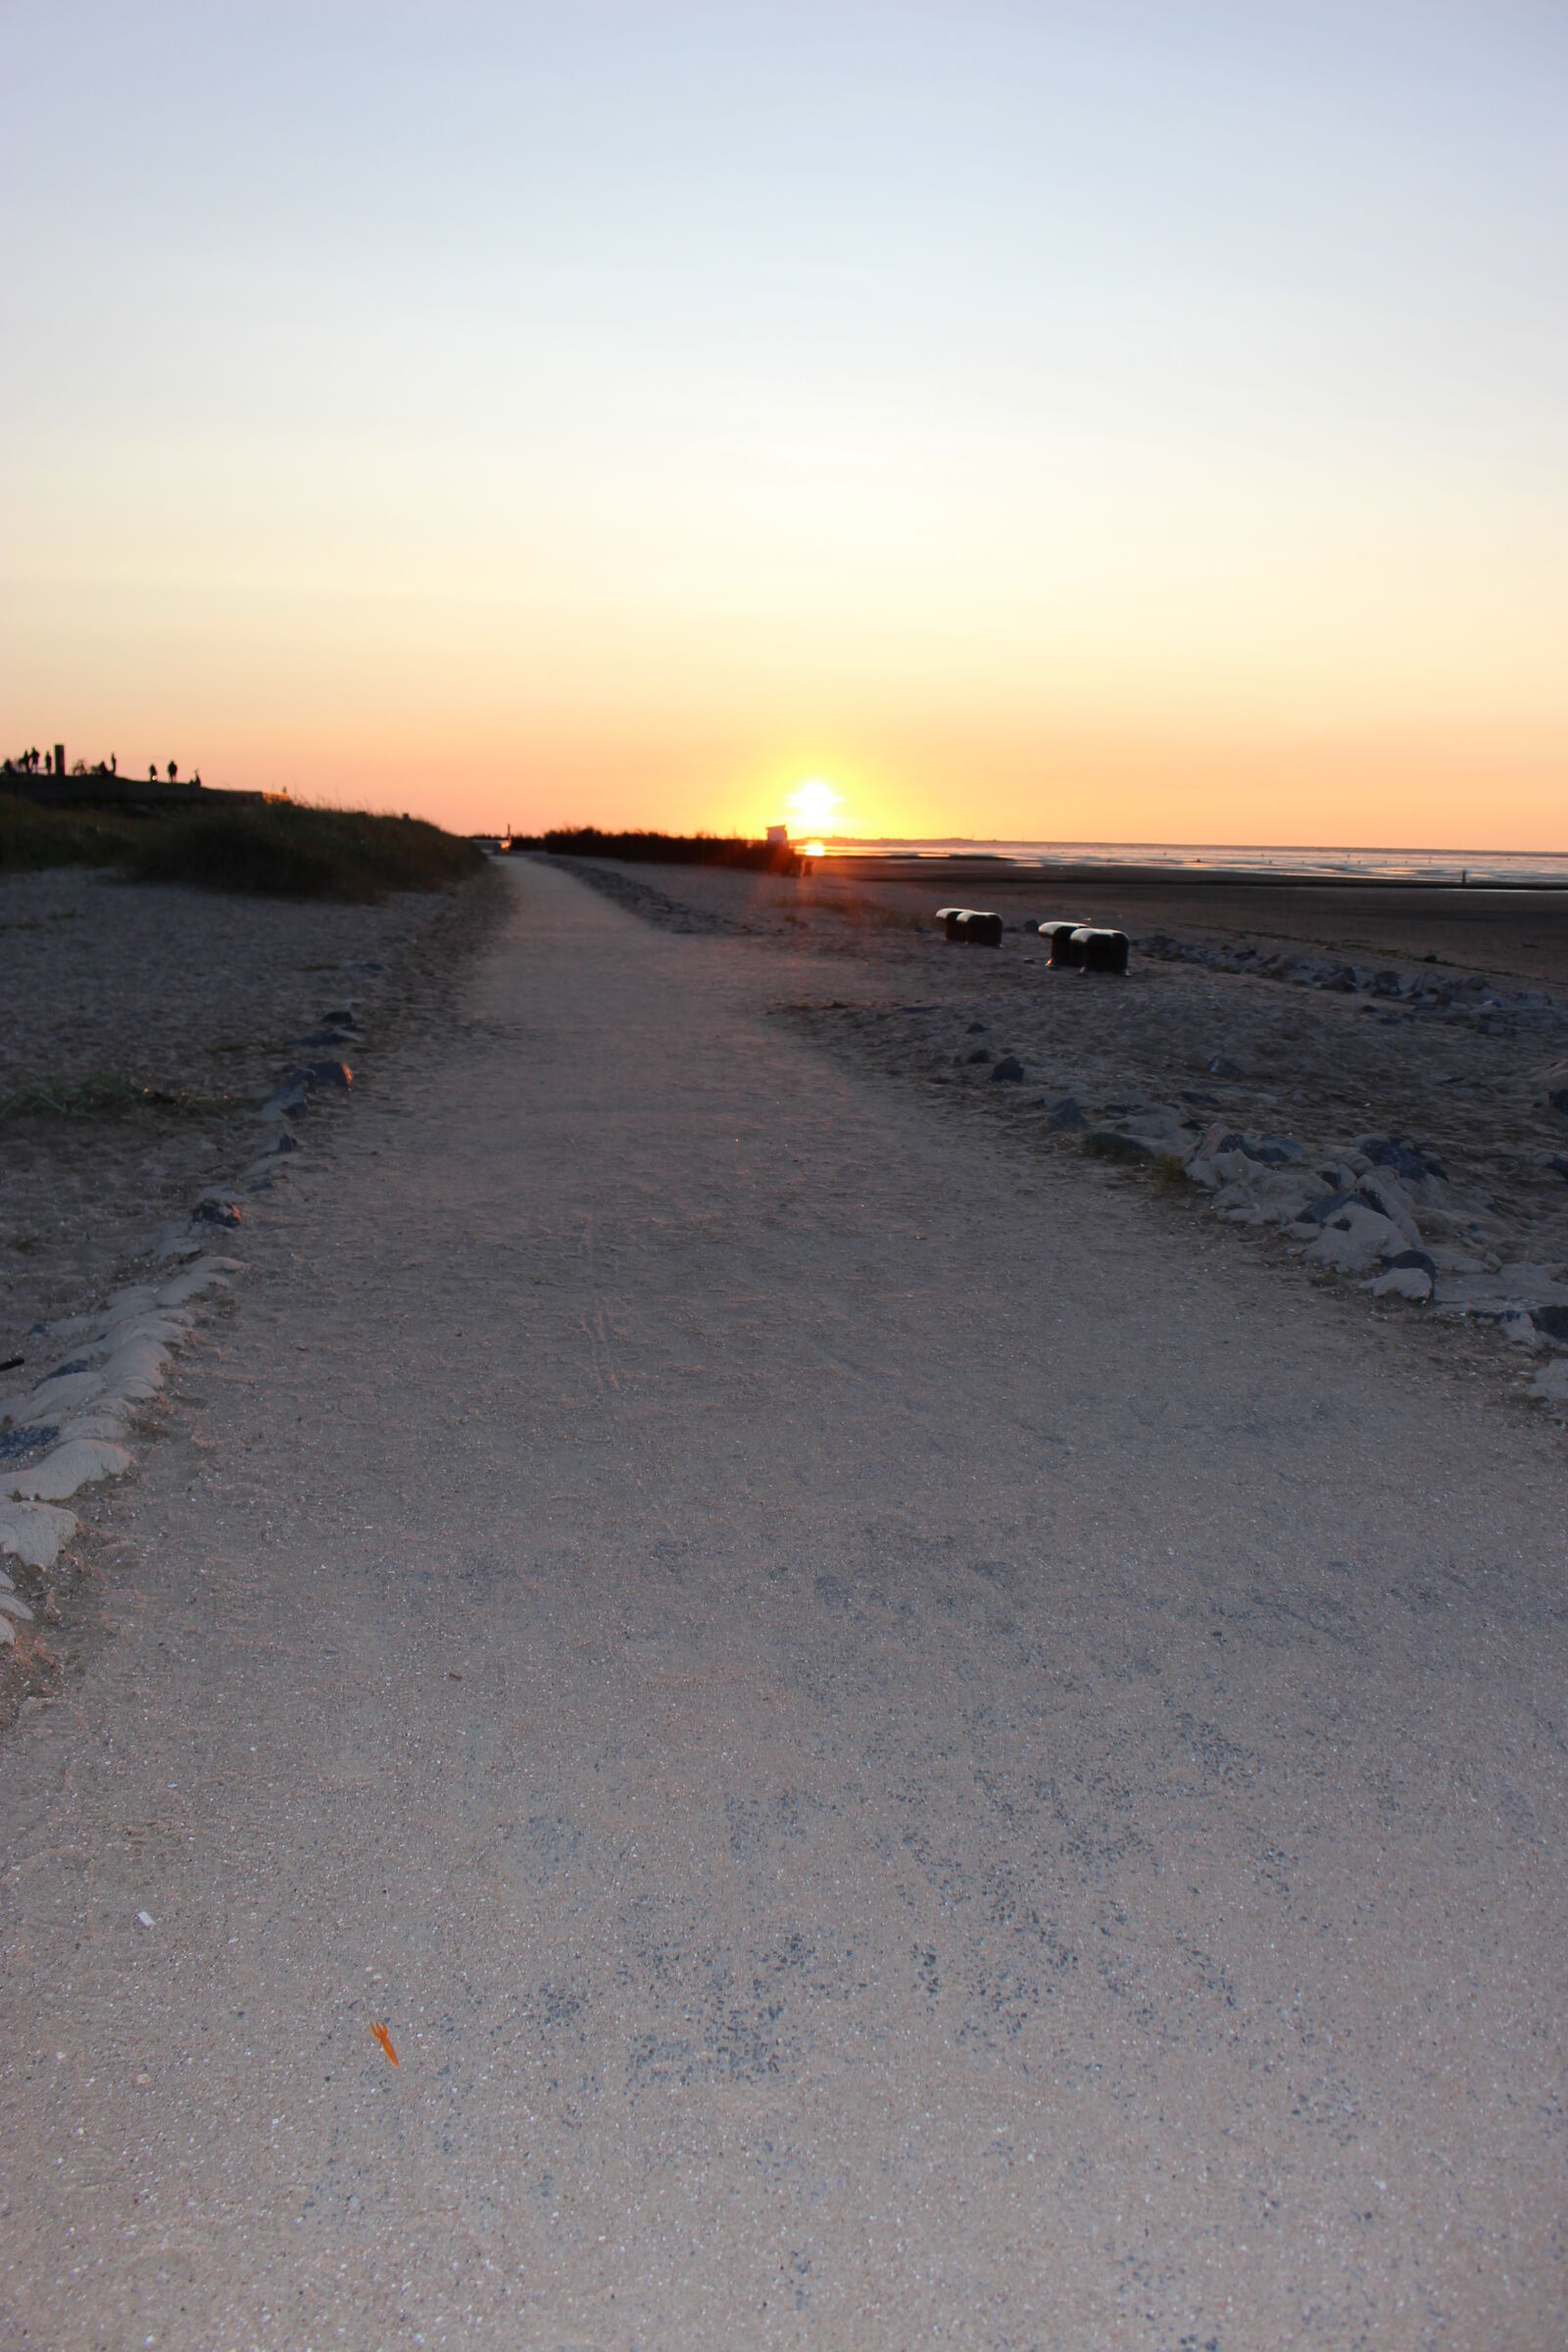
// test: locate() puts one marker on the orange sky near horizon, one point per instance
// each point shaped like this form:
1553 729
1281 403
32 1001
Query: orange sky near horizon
1096 425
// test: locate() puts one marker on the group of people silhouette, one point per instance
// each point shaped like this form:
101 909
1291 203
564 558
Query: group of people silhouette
31 762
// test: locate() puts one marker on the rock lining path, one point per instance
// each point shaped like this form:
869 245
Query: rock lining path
899 1759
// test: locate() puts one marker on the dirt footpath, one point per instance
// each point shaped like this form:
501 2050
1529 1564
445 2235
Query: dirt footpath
896 1758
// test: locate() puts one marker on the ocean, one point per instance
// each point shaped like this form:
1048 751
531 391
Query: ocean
1480 866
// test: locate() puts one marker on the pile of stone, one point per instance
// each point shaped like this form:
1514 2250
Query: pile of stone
1380 1209
70 1429
1470 996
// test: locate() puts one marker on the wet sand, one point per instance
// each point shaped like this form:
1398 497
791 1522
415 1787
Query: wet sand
901 1749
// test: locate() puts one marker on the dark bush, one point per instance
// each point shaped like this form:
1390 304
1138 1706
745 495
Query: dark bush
674 849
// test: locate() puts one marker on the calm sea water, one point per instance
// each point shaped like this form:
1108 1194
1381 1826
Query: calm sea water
1437 866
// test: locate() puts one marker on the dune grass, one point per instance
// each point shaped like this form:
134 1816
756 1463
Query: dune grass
33 838
272 850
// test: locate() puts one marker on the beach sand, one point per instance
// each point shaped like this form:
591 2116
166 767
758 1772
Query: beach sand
910 1734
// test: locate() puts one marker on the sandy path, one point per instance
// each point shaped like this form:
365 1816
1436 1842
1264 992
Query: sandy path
981 1799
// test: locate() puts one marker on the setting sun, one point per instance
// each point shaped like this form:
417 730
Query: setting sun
814 801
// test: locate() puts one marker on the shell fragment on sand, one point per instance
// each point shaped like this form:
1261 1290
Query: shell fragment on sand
33 1532
11 1605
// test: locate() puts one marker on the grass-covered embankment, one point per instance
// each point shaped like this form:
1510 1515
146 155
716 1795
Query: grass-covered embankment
272 850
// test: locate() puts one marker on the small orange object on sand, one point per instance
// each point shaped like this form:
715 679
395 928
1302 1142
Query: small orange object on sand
385 2039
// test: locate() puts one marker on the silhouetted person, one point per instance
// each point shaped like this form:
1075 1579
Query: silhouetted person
174 769
114 764
152 771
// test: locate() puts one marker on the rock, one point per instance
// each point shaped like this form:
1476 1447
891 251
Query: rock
1382 1194
136 1367
1219 1068
978 1054
1553 1321
1551 1382
33 1532
215 1212
51 1399
290 1102
197 1278
1404 1281
29 1438
1008 1071
1123 1150
1407 1159
328 1073
12 1606
7 1633
1417 1259
1066 1113
1274 1150
79 1462
1355 1238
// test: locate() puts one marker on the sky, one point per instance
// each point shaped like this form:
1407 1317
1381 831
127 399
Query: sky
1098 423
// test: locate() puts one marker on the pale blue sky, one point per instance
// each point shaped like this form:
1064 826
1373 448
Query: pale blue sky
1025 394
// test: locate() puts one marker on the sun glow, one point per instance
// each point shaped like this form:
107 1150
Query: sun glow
814 801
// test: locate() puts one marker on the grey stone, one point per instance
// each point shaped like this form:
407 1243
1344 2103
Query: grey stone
15 1442
1008 1071
215 1212
1410 1283
1221 1068
1553 1321
1067 1113
1407 1159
